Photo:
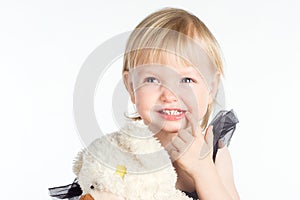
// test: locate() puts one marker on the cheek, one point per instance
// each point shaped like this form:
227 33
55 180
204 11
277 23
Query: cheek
144 101
202 107
203 101
196 101
142 98
140 102
146 93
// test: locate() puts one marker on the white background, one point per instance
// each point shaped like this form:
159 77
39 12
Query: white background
44 43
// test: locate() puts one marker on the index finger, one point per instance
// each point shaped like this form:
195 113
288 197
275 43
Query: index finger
192 121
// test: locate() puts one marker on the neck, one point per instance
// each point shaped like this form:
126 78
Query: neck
164 137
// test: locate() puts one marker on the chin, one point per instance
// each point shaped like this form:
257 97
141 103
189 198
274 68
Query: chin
171 130
173 127
165 125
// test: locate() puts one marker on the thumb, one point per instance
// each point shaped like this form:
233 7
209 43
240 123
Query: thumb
207 145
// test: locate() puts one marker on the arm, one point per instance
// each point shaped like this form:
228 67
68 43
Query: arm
224 168
207 180
215 181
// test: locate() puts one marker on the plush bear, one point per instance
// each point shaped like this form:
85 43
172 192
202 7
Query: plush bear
130 163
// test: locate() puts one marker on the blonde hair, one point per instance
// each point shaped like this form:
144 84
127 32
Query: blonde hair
154 37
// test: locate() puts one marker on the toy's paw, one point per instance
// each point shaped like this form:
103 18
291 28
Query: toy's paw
86 197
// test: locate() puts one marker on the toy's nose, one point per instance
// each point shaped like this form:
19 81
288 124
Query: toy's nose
86 197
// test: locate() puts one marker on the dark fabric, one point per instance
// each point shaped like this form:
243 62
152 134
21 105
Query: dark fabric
192 195
224 125
71 191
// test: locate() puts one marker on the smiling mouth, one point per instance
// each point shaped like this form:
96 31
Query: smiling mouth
172 112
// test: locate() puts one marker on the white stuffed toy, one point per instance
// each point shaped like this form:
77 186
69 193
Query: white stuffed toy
130 163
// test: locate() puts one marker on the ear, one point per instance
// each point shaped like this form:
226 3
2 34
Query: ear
77 165
214 87
129 86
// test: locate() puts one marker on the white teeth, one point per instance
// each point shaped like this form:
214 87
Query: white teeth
172 112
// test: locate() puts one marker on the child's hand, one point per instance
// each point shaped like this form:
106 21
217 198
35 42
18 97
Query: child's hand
190 149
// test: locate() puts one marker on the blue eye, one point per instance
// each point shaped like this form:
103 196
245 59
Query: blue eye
187 80
151 80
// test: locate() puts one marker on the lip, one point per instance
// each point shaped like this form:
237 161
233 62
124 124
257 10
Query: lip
178 114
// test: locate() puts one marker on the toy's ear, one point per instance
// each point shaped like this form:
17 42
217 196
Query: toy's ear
214 87
78 163
129 85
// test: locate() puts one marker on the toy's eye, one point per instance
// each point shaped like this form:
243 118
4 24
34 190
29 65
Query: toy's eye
92 187
151 80
187 80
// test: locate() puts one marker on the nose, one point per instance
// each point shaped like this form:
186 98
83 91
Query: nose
167 95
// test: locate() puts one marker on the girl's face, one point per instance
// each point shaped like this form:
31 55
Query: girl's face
164 93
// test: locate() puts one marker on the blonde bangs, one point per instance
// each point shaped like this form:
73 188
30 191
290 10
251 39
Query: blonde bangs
156 45
155 56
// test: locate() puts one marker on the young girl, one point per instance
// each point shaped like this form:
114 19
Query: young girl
172 51
172 68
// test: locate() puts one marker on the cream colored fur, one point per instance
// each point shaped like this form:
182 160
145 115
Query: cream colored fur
149 174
